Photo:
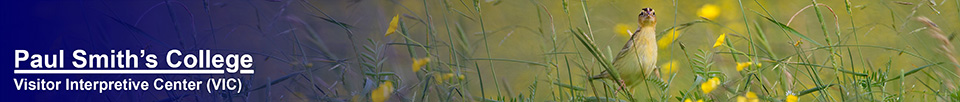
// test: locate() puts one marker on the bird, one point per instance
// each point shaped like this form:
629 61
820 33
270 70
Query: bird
638 56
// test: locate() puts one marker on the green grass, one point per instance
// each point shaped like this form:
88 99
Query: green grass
551 48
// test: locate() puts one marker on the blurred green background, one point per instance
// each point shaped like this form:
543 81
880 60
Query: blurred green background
524 31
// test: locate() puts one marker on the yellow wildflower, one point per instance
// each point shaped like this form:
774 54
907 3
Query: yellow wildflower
749 97
791 98
741 99
720 40
382 93
688 100
445 77
742 65
709 11
393 25
708 86
623 29
419 63
438 78
668 38
798 43
752 97
670 67
449 75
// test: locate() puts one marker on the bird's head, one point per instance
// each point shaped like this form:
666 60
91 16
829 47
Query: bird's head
647 17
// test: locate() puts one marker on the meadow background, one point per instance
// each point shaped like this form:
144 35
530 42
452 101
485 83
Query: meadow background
529 50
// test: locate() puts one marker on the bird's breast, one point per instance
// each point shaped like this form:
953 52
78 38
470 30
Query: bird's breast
647 47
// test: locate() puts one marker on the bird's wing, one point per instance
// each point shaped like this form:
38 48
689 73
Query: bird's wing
626 48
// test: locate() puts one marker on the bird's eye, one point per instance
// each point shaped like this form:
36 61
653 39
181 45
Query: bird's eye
654 13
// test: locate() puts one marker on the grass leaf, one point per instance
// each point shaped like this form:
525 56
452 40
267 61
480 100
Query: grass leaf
512 60
808 91
568 86
791 30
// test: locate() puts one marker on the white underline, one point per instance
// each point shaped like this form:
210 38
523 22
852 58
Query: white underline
246 71
114 71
